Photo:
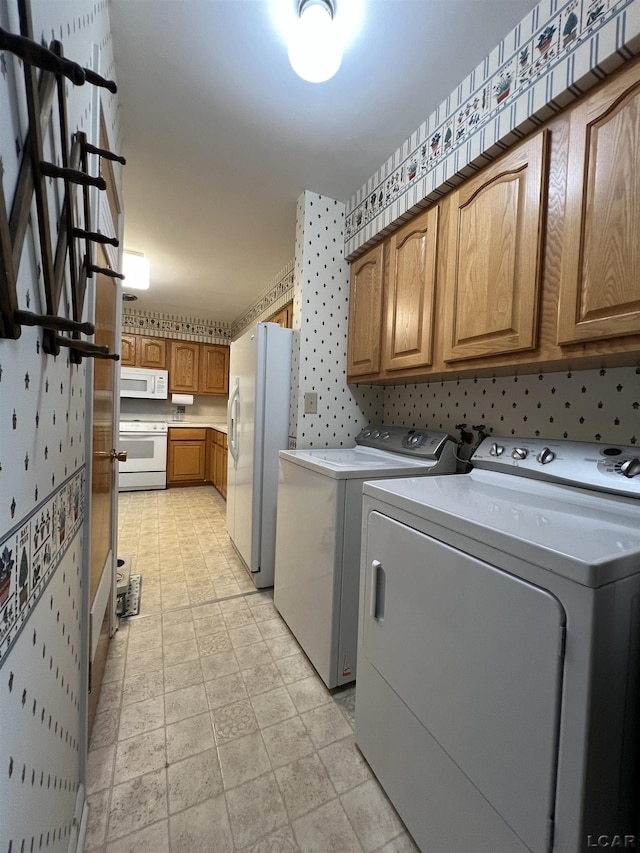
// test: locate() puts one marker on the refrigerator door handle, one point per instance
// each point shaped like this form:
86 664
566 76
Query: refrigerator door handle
232 421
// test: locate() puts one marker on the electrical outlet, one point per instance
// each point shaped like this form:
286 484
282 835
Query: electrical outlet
310 403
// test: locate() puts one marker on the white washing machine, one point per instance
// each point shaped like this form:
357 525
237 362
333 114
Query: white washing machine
498 657
318 534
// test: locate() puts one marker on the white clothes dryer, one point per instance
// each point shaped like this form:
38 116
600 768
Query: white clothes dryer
498 682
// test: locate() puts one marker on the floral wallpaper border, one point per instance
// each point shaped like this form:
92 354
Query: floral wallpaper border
558 51
276 296
31 552
136 322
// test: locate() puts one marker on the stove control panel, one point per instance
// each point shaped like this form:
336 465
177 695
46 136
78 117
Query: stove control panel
590 465
424 443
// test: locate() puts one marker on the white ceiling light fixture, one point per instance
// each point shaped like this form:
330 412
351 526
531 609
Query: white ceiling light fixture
315 43
137 270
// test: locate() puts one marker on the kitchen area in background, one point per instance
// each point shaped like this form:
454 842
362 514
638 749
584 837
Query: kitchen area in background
173 413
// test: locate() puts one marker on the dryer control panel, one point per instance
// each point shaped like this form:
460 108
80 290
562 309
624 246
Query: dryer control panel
588 465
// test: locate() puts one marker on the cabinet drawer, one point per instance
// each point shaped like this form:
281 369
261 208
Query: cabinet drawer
187 434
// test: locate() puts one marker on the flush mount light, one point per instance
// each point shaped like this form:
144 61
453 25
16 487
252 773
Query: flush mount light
315 45
136 269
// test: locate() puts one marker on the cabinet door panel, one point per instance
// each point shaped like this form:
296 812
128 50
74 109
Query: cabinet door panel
365 314
411 293
152 352
128 351
214 369
186 462
600 280
495 264
184 366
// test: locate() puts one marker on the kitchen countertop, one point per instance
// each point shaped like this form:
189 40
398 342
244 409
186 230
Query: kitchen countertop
221 426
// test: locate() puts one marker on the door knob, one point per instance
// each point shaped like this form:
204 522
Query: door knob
113 454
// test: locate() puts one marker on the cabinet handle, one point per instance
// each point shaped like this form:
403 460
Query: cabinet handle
378 588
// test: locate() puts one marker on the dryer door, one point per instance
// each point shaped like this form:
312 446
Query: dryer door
475 654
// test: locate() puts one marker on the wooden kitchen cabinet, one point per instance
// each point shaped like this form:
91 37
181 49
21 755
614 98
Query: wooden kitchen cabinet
140 351
151 352
184 367
217 460
186 456
283 317
494 269
128 351
214 369
365 314
410 294
600 271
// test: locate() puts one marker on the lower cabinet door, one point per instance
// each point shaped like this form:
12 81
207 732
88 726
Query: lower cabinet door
186 463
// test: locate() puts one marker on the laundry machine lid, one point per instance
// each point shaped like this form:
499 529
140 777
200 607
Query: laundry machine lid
590 537
361 462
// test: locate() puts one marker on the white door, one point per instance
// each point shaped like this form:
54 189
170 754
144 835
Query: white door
474 654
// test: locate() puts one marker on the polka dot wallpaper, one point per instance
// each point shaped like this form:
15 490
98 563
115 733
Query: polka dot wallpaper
43 436
320 312
583 405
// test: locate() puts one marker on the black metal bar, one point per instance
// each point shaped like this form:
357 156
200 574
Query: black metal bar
74 175
59 324
103 152
21 206
95 237
88 349
36 148
35 55
97 80
9 328
105 271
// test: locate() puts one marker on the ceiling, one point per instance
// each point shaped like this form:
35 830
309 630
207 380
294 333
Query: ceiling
221 136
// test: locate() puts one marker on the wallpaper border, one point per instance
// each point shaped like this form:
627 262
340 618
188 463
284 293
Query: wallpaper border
32 551
554 55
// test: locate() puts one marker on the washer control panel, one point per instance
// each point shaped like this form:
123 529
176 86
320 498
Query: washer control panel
423 443
590 465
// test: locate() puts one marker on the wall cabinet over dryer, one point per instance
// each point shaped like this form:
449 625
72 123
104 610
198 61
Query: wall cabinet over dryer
600 282
531 264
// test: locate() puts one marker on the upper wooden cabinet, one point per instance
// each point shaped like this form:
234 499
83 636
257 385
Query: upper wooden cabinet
283 317
151 352
494 267
184 366
365 313
600 272
214 369
128 351
194 368
140 351
410 294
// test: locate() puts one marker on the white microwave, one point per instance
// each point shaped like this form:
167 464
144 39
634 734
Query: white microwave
147 384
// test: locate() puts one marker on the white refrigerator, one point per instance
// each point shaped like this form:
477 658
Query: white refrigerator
258 428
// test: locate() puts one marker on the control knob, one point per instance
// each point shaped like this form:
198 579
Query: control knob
546 455
496 449
631 468
520 453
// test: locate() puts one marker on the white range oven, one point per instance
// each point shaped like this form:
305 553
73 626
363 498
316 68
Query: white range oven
146 445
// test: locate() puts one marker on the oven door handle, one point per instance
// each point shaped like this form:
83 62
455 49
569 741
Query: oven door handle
232 422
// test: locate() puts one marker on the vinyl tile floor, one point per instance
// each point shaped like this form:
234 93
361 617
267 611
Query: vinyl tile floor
213 732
